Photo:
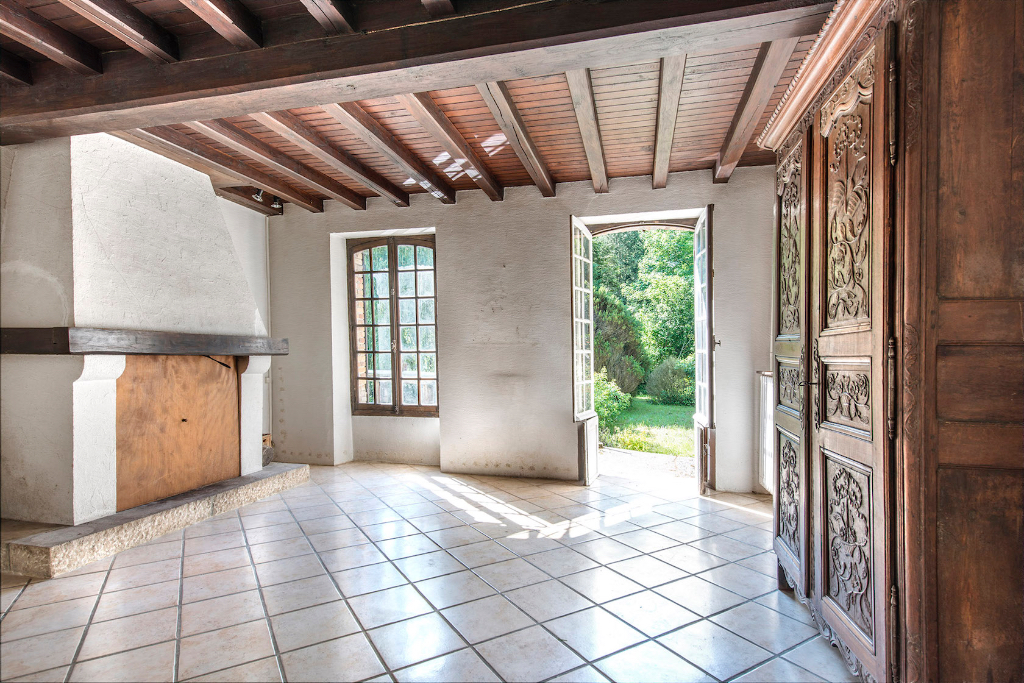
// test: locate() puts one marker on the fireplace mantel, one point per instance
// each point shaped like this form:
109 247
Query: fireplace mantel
94 340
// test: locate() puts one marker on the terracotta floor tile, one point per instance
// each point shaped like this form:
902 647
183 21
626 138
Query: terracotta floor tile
223 649
39 653
34 621
116 635
260 671
215 584
152 663
218 613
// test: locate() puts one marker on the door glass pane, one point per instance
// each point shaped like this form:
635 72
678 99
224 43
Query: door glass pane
383 364
405 257
407 284
383 337
409 394
380 286
384 393
587 342
380 257
424 257
408 338
361 261
428 393
427 311
382 311
408 365
362 286
407 311
428 339
364 339
426 283
428 365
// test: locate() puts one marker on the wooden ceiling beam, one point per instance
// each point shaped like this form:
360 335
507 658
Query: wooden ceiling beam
506 114
208 157
31 30
670 85
370 131
231 19
14 69
586 116
439 8
335 16
123 20
295 131
251 198
245 143
771 61
528 40
433 120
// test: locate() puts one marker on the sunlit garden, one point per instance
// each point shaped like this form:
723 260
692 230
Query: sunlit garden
643 314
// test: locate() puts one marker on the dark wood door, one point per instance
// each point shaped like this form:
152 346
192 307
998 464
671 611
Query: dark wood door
791 491
851 428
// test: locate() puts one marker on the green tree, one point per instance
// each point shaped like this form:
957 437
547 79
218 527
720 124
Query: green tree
617 341
617 260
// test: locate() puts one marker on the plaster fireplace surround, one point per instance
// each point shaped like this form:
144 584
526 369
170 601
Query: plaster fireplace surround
104 243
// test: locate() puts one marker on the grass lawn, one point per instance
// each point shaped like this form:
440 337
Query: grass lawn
652 428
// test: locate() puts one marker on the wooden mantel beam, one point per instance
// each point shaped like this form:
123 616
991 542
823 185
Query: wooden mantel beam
14 69
586 116
245 143
670 87
433 120
126 22
292 129
369 130
531 39
206 156
771 61
505 113
231 19
31 30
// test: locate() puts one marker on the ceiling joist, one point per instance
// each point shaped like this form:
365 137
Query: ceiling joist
205 156
14 69
231 19
251 198
295 131
771 61
503 108
31 30
245 143
439 8
586 116
371 132
433 120
126 22
670 85
335 16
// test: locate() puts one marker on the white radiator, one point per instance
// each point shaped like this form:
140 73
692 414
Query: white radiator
766 430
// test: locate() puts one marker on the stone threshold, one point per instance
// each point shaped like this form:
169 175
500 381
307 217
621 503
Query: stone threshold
64 549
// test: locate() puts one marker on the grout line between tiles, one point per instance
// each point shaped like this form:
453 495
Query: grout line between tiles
88 624
263 605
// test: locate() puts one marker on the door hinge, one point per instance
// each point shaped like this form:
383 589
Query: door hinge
894 635
890 377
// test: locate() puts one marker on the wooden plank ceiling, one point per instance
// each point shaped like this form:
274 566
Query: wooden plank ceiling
697 110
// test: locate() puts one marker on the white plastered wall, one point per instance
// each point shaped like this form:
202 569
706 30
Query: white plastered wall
97 232
505 388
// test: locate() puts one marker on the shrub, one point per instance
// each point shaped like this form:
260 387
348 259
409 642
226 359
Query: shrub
617 344
609 400
672 382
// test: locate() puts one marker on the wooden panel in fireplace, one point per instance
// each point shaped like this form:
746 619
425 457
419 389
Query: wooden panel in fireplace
177 426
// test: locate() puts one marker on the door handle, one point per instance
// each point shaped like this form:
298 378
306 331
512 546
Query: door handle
807 384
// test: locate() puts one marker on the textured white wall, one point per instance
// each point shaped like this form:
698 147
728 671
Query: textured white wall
503 313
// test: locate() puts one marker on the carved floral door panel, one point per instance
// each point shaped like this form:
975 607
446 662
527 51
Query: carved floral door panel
790 351
850 329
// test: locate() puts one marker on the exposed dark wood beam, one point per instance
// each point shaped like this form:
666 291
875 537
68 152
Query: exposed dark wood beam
367 129
533 39
505 113
31 30
335 16
586 116
433 120
251 198
14 69
771 61
126 22
231 19
207 156
439 8
245 143
670 85
295 131
96 340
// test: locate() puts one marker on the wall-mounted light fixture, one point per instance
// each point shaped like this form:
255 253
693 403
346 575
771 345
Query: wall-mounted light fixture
258 196
276 204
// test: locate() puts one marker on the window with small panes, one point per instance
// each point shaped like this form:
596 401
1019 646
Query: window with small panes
393 326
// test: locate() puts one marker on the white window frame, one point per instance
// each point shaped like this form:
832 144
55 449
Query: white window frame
581 248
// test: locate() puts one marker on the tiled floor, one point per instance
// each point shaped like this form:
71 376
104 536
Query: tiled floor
390 572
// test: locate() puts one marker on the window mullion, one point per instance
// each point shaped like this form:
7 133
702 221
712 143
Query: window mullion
393 306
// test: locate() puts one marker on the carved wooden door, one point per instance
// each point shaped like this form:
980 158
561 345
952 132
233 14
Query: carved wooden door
704 351
792 509
851 428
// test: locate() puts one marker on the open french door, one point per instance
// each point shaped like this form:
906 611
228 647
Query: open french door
583 348
704 352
